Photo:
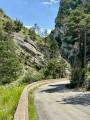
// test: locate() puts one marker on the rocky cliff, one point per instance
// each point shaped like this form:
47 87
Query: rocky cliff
72 33
68 49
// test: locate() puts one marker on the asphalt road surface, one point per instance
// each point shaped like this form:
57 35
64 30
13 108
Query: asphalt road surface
55 101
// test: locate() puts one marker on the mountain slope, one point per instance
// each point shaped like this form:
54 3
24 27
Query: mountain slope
26 53
71 31
27 47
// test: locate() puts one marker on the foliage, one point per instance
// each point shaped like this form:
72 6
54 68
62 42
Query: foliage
54 50
65 8
75 18
9 97
9 62
51 69
56 69
32 76
51 35
26 39
71 85
77 23
32 34
87 79
18 25
31 106
86 4
1 11
8 27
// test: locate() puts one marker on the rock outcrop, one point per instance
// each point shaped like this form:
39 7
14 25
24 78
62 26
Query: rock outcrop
68 50
31 49
72 33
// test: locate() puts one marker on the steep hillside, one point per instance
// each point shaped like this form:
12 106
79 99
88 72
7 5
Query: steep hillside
72 33
20 47
24 38
60 26
26 53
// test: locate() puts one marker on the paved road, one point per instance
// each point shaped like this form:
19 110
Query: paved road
55 102
22 108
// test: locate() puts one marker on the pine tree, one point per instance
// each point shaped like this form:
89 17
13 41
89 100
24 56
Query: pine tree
18 25
8 27
9 62
77 27
52 66
54 50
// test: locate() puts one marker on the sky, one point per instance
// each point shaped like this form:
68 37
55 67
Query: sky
42 12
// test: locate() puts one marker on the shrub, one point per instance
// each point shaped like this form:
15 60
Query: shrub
32 76
71 85
87 80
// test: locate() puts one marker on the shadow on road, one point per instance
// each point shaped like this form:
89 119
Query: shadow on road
81 99
77 98
57 88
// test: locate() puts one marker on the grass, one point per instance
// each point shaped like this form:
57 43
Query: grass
31 106
9 98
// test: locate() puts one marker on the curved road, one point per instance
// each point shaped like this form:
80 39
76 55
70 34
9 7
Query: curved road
55 102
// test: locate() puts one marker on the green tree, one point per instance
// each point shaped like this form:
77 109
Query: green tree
52 65
8 27
9 62
61 66
18 25
56 69
26 39
1 35
9 67
32 34
86 4
77 27
45 35
54 50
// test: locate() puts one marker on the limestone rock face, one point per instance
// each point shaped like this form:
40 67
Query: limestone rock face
72 45
67 49
31 49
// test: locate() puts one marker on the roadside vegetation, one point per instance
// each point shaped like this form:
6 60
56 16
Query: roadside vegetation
9 98
31 106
